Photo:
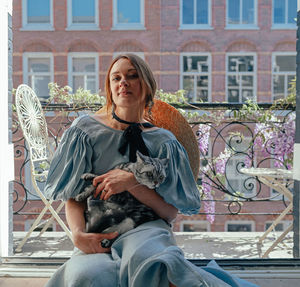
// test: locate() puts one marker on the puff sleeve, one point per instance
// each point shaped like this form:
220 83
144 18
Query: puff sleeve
179 187
72 158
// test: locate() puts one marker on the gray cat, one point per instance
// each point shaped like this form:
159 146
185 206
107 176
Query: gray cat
123 212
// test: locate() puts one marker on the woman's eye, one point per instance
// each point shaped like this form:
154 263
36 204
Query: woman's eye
133 76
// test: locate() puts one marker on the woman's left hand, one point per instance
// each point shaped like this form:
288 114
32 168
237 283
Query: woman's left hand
113 182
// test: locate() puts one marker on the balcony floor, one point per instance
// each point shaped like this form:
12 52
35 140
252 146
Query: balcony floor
41 256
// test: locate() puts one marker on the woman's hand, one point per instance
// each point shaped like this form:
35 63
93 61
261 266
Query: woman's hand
91 242
113 182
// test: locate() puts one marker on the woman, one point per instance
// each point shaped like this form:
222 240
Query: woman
146 255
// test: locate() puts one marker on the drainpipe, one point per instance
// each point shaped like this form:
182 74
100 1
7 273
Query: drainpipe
296 161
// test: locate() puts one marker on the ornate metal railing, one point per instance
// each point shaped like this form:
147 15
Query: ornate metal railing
232 144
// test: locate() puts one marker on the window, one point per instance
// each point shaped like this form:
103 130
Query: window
83 15
37 15
128 17
38 72
241 14
281 226
83 71
240 78
195 14
284 14
237 182
283 71
196 76
194 226
239 226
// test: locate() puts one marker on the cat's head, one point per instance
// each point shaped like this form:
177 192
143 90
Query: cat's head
150 171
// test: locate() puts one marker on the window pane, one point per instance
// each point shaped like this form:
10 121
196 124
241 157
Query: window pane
202 11
37 65
195 64
239 227
84 65
279 11
129 13
188 11
248 12
202 88
91 83
38 11
188 86
285 63
247 81
40 85
233 11
247 95
83 11
240 63
292 11
233 96
78 82
278 87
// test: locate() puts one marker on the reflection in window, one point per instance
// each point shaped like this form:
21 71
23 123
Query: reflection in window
195 12
128 16
83 11
195 77
38 72
239 226
83 72
38 11
284 12
194 226
240 78
283 72
241 12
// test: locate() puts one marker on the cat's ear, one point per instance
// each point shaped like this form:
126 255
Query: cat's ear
139 156
164 161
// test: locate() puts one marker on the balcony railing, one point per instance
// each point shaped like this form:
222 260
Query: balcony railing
231 143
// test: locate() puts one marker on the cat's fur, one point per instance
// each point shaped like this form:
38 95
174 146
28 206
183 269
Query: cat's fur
123 212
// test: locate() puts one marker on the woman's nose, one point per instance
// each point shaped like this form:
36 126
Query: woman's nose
123 82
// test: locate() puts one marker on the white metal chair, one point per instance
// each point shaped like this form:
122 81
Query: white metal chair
34 127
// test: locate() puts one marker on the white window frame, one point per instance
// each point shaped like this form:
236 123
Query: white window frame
285 224
285 25
37 26
196 26
241 26
83 55
240 222
285 74
202 222
30 55
128 26
182 74
254 74
82 26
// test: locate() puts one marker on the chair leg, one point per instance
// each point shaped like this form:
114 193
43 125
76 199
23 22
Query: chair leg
50 220
33 226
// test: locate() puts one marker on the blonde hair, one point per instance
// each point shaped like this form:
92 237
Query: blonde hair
145 74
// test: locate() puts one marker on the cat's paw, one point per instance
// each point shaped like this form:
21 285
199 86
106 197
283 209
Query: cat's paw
80 197
88 176
105 243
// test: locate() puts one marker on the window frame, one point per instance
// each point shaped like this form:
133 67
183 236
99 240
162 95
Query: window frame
73 55
29 55
196 26
240 26
280 25
285 74
241 74
202 222
82 26
241 222
209 73
128 26
36 26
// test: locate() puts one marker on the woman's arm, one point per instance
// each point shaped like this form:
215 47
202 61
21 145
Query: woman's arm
116 181
86 242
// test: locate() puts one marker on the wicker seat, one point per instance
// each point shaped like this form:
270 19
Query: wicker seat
34 127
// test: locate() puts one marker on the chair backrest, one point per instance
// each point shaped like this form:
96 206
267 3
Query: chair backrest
33 124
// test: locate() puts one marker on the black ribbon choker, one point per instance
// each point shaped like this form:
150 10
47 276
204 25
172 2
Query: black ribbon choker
132 137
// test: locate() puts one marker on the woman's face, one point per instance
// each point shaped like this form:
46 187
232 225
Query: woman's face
125 85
